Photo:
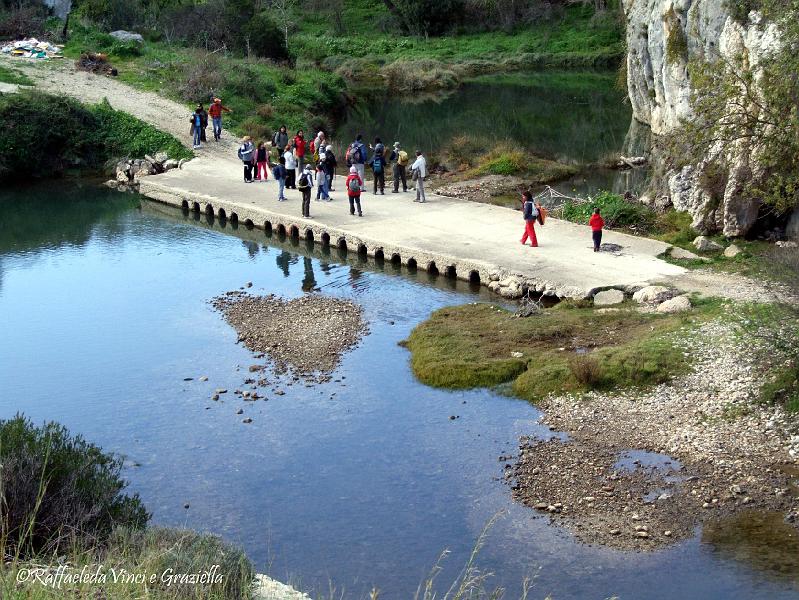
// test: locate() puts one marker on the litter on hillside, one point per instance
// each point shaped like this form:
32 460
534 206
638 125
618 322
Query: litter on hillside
32 48
95 63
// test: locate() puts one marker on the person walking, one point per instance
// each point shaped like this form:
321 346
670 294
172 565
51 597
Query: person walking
597 223
530 214
356 156
321 179
378 164
246 154
354 186
299 150
204 124
215 111
280 140
330 167
196 129
399 161
318 146
291 167
261 162
279 173
305 185
419 170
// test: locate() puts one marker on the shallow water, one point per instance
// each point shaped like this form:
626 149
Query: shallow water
575 117
359 482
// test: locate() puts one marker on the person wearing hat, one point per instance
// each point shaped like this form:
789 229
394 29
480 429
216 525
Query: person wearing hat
354 185
215 111
419 170
305 184
399 160
321 178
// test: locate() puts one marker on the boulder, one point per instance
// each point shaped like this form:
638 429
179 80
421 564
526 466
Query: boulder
675 305
170 164
732 251
653 294
127 36
682 254
122 177
704 244
161 157
182 162
787 244
608 297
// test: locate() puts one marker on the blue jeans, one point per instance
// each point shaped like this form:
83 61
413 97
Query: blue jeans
281 185
217 126
322 189
198 135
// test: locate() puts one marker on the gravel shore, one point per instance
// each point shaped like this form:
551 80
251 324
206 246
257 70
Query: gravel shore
720 452
304 337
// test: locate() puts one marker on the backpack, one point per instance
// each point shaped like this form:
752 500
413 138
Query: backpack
377 165
354 186
402 158
304 180
276 171
353 154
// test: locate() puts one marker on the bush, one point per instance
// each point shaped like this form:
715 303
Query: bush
616 212
74 135
503 162
58 489
256 129
585 370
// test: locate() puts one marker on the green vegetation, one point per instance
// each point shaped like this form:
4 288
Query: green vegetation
42 134
63 504
566 349
783 386
9 75
676 40
616 211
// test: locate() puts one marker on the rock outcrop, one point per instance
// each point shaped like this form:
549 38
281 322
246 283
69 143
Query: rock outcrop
662 36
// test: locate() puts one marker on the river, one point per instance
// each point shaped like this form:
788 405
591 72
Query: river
361 481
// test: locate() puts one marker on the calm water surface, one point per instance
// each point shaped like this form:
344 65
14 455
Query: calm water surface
359 482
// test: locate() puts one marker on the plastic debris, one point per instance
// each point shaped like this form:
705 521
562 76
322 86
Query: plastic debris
32 48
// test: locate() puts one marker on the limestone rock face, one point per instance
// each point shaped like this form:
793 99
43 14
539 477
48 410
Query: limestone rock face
662 35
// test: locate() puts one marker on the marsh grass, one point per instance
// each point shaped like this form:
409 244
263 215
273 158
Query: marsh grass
471 346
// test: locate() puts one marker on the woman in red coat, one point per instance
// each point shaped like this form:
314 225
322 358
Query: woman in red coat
299 150
354 185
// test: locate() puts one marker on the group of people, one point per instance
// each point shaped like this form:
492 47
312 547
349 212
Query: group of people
303 166
532 212
199 121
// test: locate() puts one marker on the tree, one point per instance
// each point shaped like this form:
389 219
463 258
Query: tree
284 10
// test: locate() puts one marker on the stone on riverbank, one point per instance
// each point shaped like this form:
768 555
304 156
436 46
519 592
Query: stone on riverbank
675 305
704 244
653 294
608 297
732 251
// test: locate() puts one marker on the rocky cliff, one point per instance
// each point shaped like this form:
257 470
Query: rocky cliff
662 36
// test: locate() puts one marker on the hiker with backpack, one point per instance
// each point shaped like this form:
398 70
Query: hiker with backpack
280 140
399 160
318 146
529 214
279 173
305 184
197 127
246 153
419 172
261 162
215 111
378 164
330 167
356 156
321 178
291 167
354 186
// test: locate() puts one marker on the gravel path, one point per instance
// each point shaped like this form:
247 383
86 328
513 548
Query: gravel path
735 454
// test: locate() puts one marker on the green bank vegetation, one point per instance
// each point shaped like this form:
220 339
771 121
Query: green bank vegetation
10 75
567 348
42 134
64 503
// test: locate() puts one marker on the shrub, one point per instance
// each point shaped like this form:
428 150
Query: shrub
616 211
58 489
585 370
200 78
256 129
265 111
464 150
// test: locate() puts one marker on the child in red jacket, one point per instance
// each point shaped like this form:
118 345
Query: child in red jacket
597 223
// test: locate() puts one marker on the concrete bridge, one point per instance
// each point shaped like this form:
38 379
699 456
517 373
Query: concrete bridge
456 238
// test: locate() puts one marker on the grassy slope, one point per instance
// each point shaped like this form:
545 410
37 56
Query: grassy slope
10 75
471 345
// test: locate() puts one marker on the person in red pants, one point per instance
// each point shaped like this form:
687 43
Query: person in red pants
530 213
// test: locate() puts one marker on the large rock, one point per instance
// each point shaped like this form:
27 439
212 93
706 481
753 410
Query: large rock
653 294
704 244
608 298
127 36
662 37
732 251
682 254
675 305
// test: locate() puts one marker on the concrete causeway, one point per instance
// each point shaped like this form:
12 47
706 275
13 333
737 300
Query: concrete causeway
457 238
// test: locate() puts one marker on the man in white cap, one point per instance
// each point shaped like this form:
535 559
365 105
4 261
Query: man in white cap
419 169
